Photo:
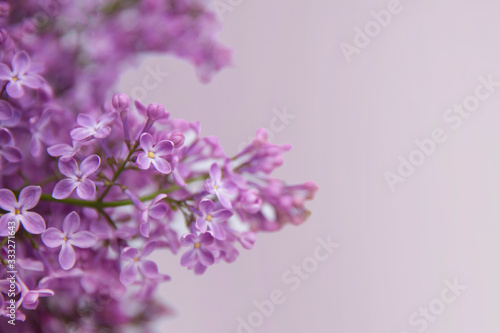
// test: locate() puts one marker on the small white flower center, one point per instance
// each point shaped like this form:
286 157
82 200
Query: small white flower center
151 154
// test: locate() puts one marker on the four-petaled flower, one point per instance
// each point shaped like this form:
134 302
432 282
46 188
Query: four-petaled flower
136 263
153 154
200 255
19 76
89 127
210 219
221 188
77 178
17 210
69 237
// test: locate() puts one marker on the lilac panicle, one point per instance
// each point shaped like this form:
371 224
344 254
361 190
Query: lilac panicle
98 180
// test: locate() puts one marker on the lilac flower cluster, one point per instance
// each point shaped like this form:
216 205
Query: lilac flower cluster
93 184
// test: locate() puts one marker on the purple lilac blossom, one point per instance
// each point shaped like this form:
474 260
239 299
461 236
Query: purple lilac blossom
64 129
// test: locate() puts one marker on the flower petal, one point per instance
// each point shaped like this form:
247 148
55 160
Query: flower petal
86 121
129 254
206 257
148 268
128 273
206 239
64 188
143 161
148 248
218 231
158 211
90 165
52 237
4 224
162 165
188 239
144 229
81 133
68 168
8 200
71 223
15 89
21 63
188 258
163 148
67 256
5 72
33 223
146 141
5 110
206 206
11 154
86 189
83 239
33 81
222 215
215 173
201 224
224 200
102 133
29 197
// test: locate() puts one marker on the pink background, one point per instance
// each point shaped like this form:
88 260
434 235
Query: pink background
351 123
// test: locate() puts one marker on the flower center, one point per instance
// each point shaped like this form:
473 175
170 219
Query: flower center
209 217
17 211
196 245
65 238
136 259
15 78
151 154
215 187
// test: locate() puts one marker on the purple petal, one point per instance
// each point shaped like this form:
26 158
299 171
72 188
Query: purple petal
148 268
83 239
90 165
71 223
30 300
67 256
215 173
144 229
21 63
33 223
107 118
247 239
149 248
52 237
206 206
209 186
218 231
32 81
8 200
224 200
64 188
143 161
5 110
158 198
199 269
222 215
86 189
68 168
188 258
11 154
206 257
146 141
129 254
85 120
163 148
201 224
61 150
5 72
162 165
128 273
102 132
5 137
29 197
4 224
188 239
206 239
81 133
158 211
15 89
35 146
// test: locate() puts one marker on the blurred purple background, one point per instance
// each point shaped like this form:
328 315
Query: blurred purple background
349 123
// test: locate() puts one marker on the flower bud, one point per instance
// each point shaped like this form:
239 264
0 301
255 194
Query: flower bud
120 102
